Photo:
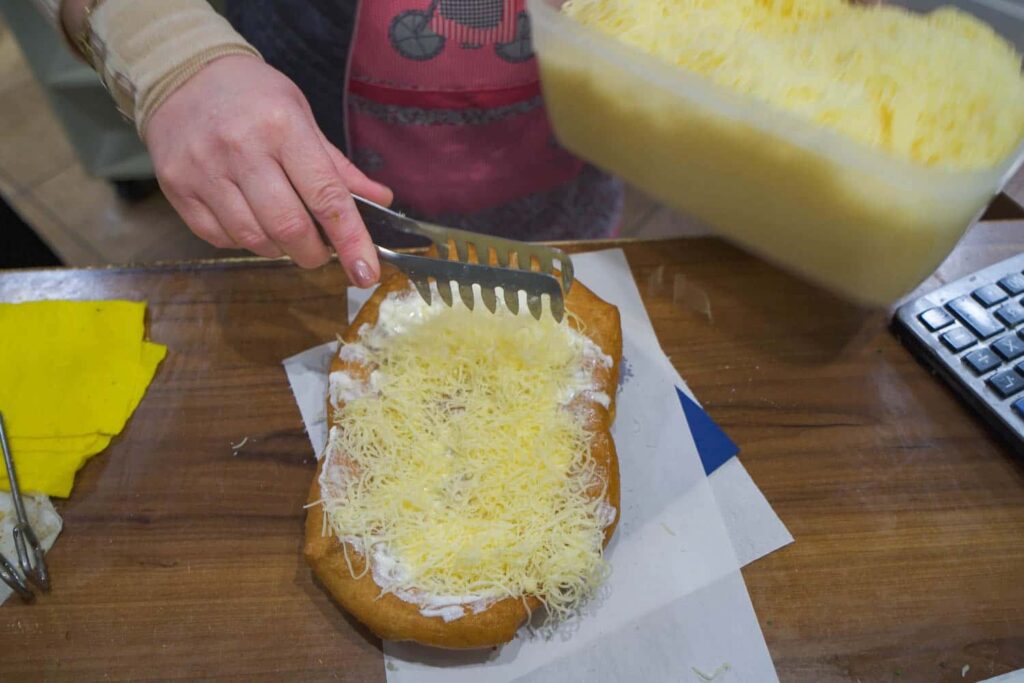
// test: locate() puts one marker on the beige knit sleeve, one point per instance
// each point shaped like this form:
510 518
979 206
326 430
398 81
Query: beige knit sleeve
144 50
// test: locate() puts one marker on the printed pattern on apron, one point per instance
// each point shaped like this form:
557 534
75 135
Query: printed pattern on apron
443 104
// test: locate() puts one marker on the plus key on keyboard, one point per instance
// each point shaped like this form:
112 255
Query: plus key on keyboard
974 316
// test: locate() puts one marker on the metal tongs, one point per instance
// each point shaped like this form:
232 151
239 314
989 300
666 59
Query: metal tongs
473 252
30 553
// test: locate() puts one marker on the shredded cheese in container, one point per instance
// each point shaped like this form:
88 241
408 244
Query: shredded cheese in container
460 465
941 89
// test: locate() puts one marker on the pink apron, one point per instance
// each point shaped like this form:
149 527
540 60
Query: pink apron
444 106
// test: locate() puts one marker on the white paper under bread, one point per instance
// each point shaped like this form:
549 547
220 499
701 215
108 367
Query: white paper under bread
676 599
1011 677
754 528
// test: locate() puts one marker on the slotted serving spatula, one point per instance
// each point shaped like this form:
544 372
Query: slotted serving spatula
513 274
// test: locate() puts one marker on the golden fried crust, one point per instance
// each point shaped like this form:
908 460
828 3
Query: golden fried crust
394 619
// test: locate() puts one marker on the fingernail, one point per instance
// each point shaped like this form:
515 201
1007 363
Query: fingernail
361 273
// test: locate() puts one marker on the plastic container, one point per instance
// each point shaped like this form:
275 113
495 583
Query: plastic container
853 219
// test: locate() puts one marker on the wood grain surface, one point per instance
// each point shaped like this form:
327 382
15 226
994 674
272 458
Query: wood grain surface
181 557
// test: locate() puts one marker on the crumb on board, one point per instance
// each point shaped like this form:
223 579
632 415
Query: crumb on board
235 447
964 670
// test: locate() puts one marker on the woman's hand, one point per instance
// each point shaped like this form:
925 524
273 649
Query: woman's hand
239 155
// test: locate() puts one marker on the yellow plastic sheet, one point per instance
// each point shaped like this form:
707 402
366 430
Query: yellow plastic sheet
71 374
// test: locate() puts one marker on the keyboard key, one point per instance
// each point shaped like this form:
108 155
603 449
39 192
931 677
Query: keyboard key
958 339
936 318
976 318
1014 284
982 360
990 295
1010 347
1012 314
1007 383
1018 405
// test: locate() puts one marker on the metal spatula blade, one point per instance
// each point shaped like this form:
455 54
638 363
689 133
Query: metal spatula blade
422 271
514 273
508 253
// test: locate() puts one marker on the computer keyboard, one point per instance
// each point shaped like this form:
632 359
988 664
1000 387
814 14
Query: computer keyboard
971 332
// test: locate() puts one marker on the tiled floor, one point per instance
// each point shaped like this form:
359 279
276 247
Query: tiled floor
85 222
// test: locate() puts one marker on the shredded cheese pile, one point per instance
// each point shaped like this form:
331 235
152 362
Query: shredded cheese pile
468 475
941 89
